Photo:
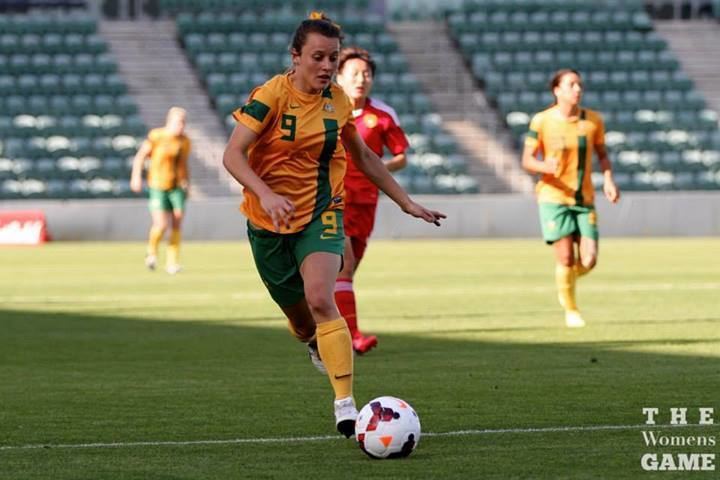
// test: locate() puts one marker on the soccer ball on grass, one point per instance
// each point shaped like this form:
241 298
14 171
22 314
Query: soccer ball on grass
387 427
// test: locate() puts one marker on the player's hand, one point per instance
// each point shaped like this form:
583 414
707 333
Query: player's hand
612 192
280 209
185 187
418 211
136 184
551 166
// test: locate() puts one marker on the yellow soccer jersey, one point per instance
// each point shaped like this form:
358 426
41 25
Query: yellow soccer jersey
572 142
168 160
298 152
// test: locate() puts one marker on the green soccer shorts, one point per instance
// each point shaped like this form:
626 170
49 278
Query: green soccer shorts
278 256
559 221
166 200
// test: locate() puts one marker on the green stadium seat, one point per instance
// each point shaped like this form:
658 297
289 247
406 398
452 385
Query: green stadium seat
565 59
666 61
694 100
103 63
95 44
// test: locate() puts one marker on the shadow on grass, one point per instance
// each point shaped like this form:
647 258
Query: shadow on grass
75 379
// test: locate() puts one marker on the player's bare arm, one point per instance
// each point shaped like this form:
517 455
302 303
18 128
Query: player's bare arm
610 188
279 208
137 168
397 162
531 163
375 170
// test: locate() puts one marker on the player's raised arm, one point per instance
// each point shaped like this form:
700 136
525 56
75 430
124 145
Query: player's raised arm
369 163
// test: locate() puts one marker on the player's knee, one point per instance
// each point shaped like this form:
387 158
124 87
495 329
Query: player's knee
320 303
589 262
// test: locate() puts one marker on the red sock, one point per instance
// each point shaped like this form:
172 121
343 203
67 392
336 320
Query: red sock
345 300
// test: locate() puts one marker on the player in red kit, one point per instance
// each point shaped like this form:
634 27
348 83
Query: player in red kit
379 127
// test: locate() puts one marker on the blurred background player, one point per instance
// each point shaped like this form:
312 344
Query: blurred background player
168 148
287 151
565 136
378 125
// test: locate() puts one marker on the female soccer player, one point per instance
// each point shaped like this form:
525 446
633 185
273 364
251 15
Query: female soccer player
378 126
287 151
565 136
168 148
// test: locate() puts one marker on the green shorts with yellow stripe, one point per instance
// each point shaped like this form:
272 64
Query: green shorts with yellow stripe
559 221
166 200
278 256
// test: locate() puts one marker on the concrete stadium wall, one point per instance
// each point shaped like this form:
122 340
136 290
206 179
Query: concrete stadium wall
638 214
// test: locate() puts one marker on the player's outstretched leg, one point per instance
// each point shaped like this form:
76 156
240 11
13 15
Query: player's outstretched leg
565 281
173 251
157 231
587 256
345 300
302 326
319 271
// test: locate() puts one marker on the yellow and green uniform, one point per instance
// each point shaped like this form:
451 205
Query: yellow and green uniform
566 199
299 154
168 172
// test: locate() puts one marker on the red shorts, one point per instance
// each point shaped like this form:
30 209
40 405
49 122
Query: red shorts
358 221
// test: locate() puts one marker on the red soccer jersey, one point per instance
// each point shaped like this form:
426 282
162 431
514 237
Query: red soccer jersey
379 127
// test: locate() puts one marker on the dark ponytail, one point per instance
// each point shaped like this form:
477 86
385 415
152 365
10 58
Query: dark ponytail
317 22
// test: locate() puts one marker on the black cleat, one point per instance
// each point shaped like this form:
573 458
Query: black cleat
347 428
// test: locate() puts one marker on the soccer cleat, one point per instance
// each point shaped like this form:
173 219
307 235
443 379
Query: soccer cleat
150 261
363 344
573 319
345 416
314 355
172 269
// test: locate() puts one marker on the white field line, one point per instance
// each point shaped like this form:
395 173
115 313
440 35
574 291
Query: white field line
323 438
260 293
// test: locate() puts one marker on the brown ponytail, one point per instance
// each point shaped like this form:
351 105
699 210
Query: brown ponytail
317 22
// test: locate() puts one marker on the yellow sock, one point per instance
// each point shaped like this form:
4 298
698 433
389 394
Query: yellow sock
173 252
565 281
335 348
581 270
156 235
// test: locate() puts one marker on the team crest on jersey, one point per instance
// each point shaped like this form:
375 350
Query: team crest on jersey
592 218
370 120
328 108
551 225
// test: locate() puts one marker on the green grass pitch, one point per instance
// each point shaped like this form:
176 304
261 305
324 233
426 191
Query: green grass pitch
94 349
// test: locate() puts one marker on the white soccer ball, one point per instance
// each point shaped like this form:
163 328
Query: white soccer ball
387 427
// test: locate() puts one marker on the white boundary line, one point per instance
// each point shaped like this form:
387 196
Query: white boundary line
323 438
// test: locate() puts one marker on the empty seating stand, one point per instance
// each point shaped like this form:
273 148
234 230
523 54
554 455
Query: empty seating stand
659 130
68 129
235 50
